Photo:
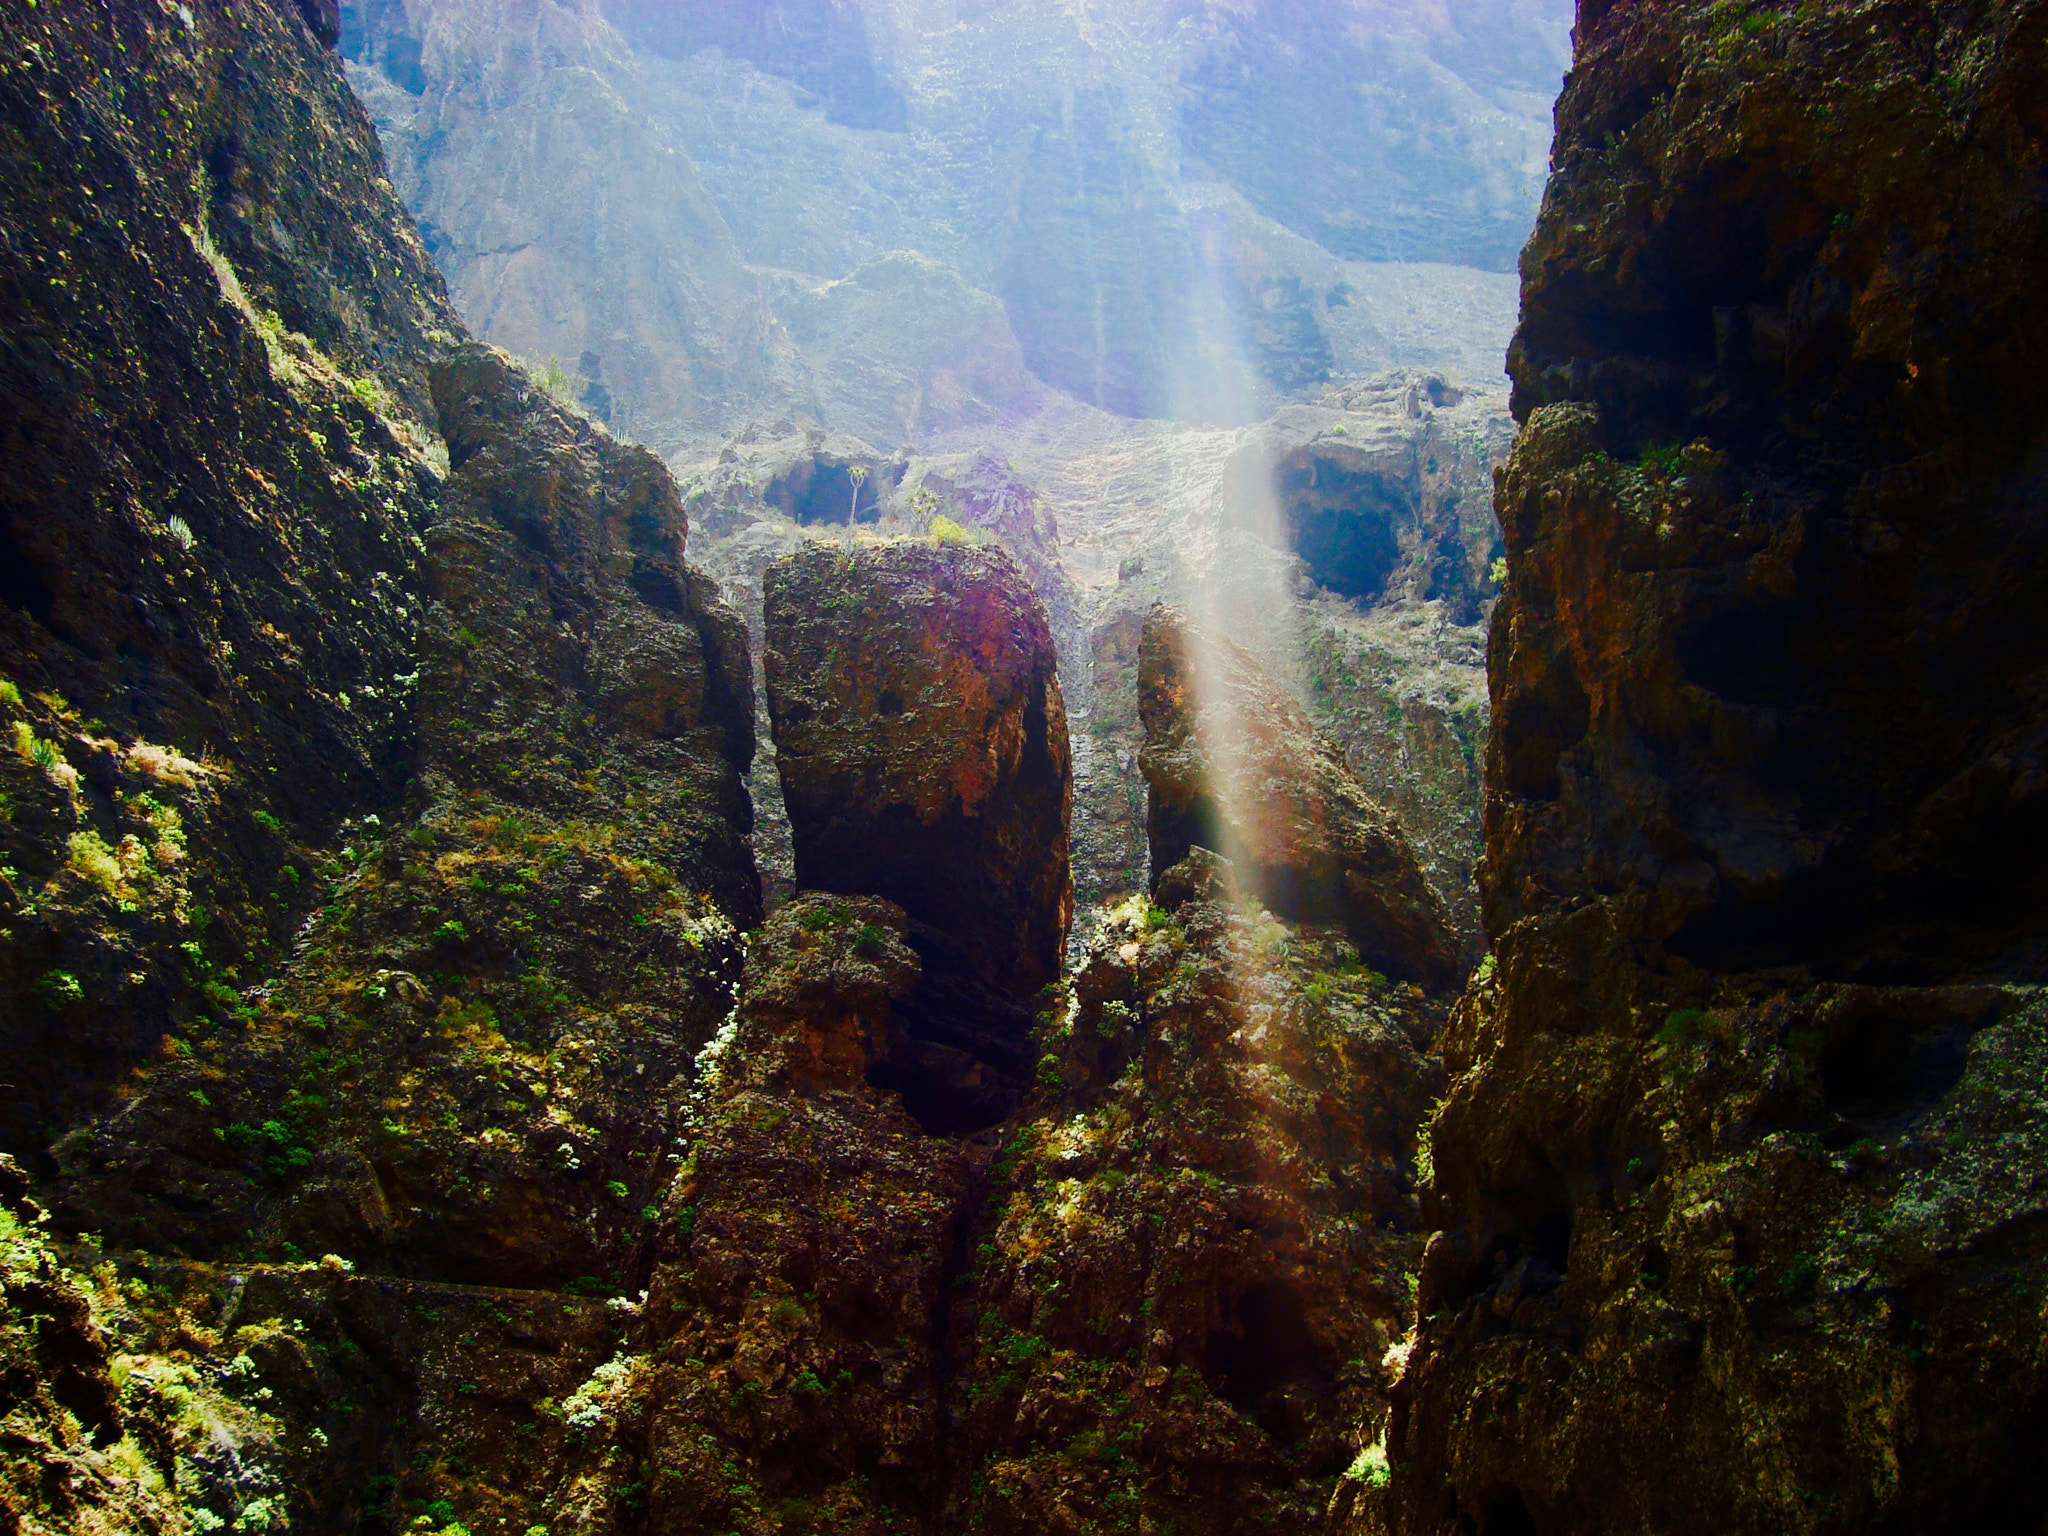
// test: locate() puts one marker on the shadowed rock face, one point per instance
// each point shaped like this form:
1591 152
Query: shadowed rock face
1242 769
792 1313
854 1320
922 744
1742 1172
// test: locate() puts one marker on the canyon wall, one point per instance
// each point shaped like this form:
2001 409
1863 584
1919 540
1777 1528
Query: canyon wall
1740 1174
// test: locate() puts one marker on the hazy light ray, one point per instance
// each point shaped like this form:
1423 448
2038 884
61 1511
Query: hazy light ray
1240 570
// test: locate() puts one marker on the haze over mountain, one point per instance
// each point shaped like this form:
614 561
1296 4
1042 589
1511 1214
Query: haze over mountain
902 216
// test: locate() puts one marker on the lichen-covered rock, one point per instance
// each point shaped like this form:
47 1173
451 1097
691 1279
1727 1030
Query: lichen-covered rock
1195 1249
157 1394
1234 764
216 459
1741 1169
470 1066
922 744
288 966
805 1252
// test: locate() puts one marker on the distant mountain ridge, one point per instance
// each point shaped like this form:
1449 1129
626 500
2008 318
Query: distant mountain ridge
1179 207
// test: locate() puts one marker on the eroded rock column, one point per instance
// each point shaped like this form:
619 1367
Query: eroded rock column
1234 764
922 744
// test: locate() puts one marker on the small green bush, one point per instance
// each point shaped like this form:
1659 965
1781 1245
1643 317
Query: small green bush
58 989
1370 1467
824 919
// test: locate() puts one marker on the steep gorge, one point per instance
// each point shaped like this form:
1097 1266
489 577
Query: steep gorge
440 1133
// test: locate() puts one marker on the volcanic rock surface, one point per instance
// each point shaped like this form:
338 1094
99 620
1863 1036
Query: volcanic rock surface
1742 1172
1190 1261
497 939
1234 765
921 743
806 1250
214 471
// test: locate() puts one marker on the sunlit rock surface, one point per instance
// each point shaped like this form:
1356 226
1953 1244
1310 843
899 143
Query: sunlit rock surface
214 470
1234 765
1741 1172
921 743
489 1022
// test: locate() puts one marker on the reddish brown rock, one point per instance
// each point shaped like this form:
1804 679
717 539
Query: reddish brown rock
1741 1169
1235 765
922 744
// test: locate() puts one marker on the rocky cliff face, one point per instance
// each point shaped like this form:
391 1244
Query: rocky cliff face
1233 765
218 462
921 742
1738 1173
517 136
334 653
1163 1291
471 1040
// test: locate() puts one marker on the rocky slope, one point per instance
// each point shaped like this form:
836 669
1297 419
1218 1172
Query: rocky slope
1739 1172
219 460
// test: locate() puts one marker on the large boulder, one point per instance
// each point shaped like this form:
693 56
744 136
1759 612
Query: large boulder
922 744
1234 764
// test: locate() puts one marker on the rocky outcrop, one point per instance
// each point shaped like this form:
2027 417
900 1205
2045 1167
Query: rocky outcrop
1234 765
922 744
806 1249
1191 1262
468 1069
1166 1291
1740 1172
